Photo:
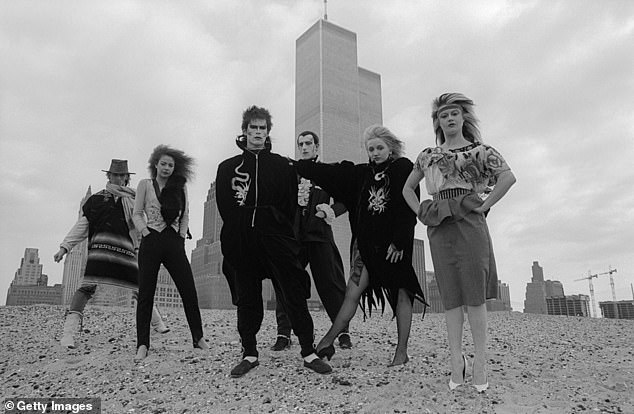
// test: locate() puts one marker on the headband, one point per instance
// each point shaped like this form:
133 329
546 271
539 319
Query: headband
448 106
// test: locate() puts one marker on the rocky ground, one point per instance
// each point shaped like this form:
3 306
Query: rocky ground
538 364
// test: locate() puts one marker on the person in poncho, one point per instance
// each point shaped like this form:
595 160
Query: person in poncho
106 220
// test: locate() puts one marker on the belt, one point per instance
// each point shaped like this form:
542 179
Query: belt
450 193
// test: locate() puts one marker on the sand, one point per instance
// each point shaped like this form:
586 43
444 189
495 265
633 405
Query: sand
537 364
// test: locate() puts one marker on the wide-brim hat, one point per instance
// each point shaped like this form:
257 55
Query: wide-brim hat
118 167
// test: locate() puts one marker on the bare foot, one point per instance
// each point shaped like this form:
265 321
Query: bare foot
399 359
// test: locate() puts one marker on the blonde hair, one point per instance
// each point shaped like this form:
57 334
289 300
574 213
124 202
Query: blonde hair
470 129
379 131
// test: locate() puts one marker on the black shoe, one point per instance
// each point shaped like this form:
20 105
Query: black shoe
282 343
327 352
318 366
344 341
243 367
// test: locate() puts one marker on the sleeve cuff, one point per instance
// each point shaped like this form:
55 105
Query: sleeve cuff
330 213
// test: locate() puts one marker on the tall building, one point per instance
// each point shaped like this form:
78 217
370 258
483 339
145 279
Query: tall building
30 271
335 98
418 262
211 285
535 301
75 262
623 309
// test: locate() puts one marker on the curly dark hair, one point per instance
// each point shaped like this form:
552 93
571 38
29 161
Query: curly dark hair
183 163
255 112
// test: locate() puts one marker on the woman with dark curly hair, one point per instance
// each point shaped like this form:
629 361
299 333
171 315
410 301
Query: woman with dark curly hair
458 172
161 215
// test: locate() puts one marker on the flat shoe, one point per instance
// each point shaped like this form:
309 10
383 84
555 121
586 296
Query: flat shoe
319 366
243 367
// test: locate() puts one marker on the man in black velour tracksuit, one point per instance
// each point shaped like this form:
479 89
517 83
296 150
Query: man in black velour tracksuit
315 213
256 193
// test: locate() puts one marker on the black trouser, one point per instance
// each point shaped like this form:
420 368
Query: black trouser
168 248
273 256
327 270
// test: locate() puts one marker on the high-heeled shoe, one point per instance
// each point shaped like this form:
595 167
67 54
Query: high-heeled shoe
327 352
141 353
201 344
454 385
481 387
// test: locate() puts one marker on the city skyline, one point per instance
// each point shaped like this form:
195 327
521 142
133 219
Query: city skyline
553 96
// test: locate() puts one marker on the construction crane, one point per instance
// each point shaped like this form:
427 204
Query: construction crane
615 307
610 271
590 277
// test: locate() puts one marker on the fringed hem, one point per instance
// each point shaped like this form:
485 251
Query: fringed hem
375 296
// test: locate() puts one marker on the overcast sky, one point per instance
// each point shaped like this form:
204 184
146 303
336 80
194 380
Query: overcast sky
82 82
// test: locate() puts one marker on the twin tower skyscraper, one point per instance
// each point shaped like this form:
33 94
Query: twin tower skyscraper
335 98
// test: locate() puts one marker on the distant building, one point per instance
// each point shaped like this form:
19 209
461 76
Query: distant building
166 294
572 305
29 285
433 294
535 301
418 262
623 309
30 271
553 288
75 262
107 295
22 295
503 301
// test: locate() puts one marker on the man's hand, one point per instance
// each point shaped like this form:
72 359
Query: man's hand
59 255
393 255
321 214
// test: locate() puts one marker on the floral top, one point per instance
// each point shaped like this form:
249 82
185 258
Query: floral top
474 167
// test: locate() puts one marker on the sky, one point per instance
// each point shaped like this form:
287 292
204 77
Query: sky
82 82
